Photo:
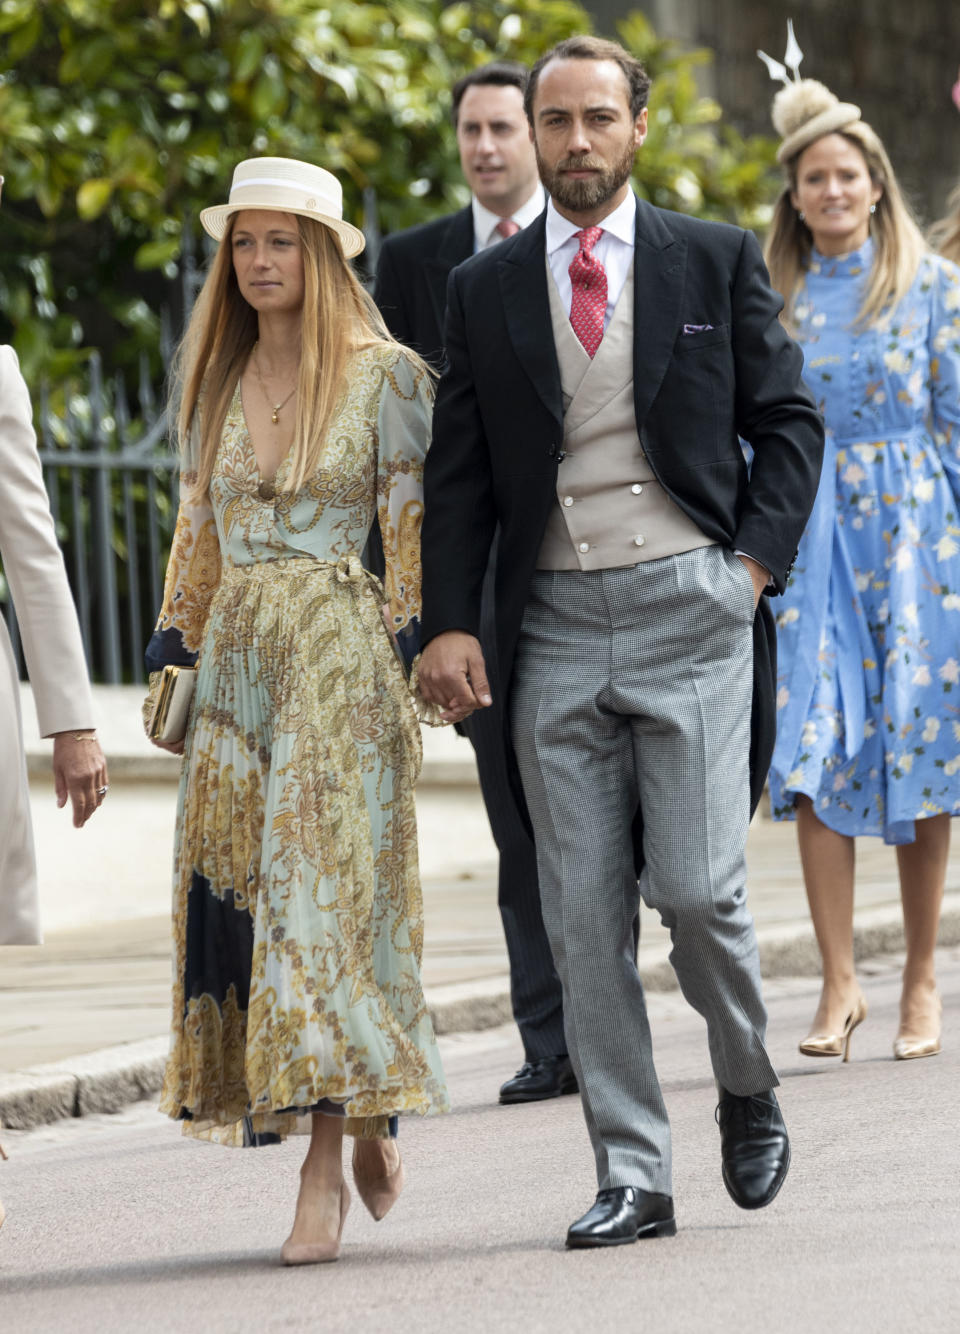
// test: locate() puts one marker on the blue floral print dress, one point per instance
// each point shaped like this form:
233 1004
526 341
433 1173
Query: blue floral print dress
869 627
297 914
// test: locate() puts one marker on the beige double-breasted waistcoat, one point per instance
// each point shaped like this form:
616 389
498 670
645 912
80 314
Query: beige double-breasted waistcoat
610 511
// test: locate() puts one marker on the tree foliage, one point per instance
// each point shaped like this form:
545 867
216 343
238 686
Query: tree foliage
119 119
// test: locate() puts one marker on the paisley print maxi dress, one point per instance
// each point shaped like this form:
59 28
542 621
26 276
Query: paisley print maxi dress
297 910
868 631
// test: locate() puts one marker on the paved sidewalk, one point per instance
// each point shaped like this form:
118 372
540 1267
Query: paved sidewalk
102 977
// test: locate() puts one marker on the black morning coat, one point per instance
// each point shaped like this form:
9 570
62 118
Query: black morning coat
410 290
498 426
411 281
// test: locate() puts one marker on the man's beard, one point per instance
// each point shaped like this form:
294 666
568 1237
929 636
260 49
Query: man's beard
585 196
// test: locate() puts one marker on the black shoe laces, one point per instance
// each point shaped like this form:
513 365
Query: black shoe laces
750 1115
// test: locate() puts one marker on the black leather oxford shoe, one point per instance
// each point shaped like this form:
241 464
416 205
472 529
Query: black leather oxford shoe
754 1147
536 1080
621 1215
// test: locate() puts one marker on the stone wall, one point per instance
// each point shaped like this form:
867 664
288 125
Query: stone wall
896 59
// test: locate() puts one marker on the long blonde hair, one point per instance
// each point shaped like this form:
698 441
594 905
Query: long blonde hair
945 235
898 242
338 318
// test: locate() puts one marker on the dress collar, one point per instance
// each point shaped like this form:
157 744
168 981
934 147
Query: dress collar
852 265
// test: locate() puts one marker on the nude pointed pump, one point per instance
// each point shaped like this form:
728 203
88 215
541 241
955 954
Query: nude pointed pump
380 1194
319 1253
836 1044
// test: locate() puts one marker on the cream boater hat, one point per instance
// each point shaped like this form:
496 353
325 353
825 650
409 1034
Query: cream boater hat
803 110
284 185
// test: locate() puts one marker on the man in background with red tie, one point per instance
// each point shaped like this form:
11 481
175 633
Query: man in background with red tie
601 368
500 167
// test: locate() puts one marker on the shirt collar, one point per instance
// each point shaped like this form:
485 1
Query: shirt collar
621 223
484 222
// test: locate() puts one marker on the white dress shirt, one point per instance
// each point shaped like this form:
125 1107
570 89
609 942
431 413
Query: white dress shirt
485 223
614 250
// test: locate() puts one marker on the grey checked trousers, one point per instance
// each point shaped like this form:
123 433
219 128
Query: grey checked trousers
633 686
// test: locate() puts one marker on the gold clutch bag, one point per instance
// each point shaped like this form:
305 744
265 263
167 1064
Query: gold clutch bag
168 722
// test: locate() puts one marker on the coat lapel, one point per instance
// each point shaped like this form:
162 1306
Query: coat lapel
660 261
456 246
526 305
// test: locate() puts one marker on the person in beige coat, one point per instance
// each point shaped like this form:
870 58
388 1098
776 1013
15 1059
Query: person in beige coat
34 572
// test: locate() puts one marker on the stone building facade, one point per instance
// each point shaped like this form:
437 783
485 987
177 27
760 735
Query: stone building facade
896 59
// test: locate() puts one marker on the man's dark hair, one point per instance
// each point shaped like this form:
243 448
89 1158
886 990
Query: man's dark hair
498 74
593 48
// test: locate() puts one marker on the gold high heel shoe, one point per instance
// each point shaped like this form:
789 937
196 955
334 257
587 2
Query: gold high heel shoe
318 1253
836 1044
379 1194
909 1046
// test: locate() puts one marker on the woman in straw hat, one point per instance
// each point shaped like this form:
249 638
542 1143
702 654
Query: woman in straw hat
297 910
869 632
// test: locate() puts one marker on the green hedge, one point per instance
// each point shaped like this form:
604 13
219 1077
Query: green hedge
120 118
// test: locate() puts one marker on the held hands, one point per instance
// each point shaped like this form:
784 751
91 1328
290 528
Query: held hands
80 773
758 573
453 676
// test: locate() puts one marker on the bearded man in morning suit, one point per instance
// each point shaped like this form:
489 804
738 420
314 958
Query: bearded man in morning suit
500 167
601 367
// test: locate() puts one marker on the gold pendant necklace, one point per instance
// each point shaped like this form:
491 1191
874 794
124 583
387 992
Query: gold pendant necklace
274 407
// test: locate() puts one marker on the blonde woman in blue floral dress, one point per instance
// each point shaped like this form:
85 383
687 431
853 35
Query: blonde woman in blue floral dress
868 739
297 1000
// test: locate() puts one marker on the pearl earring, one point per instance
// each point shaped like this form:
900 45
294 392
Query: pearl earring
873 208
800 215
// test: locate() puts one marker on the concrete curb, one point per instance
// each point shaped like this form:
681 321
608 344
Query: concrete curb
794 953
106 1080
467 1007
438 772
101 1081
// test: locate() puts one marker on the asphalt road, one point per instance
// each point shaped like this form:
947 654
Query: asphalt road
117 1224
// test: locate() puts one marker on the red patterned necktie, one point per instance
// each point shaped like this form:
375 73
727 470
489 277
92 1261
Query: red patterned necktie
589 279
507 227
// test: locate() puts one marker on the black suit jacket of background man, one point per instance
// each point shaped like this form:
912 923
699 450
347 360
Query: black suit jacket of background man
411 291
411 285
498 425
